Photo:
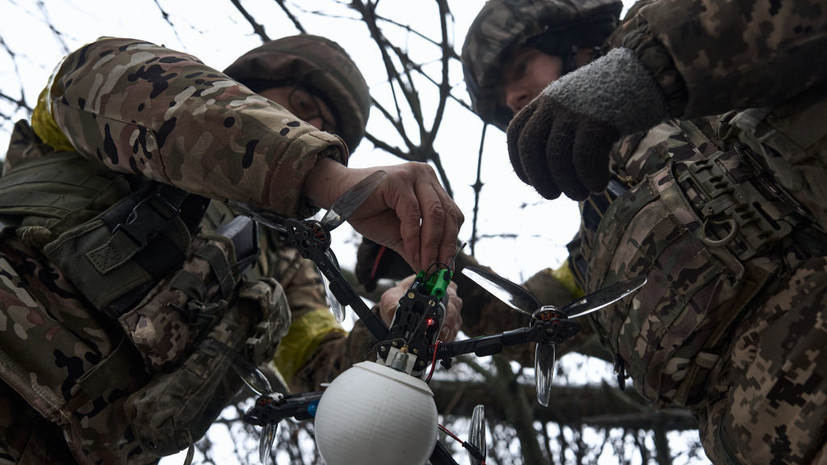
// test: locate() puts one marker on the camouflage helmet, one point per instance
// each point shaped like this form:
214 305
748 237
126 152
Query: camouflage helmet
503 26
317 63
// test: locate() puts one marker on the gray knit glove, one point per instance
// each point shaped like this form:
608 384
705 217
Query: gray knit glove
560 142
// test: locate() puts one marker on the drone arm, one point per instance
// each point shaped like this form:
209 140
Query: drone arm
342 290
299 406
345 294
489 345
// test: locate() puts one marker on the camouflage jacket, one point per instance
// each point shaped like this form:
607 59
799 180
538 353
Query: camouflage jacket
167 116
709 58
712 57
660 217
715 57
140 108
154 113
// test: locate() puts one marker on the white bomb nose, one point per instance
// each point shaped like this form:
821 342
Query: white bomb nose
373 414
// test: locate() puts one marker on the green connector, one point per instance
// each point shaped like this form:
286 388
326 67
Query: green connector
438 283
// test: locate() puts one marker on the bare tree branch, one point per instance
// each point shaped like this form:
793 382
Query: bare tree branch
290 16
477 186
167 20
41 6
258 29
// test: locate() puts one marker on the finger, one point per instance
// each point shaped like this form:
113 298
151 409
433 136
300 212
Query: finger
591 151
433 228
432 202
389 300
450 327
532 147
383 228
447 333
409 215
559 150
450 231
387 313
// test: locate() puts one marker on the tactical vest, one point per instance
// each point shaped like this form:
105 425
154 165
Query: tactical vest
701 215
139 302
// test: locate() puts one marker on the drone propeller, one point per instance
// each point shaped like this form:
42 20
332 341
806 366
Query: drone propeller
351 200
513 295
338 213
268 431
545 358
602 298
517 297
265 445
254 379
476 437
258 383
335 306
270 219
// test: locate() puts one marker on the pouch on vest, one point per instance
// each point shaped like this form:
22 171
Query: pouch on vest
101 231
177 407
113 235
176 311
117 257
64 357
92 373
667 335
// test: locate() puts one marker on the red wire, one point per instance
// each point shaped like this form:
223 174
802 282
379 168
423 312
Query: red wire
456 438
445 430
433 362
376 261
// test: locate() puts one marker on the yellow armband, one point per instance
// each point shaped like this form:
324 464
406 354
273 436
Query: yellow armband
303 338
566 278
43 121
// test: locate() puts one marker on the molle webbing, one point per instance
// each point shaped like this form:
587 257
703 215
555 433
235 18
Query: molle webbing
741 203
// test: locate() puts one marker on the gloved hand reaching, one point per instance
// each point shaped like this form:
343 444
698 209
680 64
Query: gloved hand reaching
560 142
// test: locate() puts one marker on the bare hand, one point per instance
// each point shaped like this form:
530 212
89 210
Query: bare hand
409 212
453 316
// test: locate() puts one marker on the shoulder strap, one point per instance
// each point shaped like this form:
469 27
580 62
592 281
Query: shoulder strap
53 186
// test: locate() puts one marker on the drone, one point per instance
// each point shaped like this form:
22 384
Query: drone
383 410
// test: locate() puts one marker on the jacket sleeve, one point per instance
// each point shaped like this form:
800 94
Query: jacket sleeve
142 108
335 353
713 56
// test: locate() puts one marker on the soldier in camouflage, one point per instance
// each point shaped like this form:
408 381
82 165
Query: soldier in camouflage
483 314
694 138
125 290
